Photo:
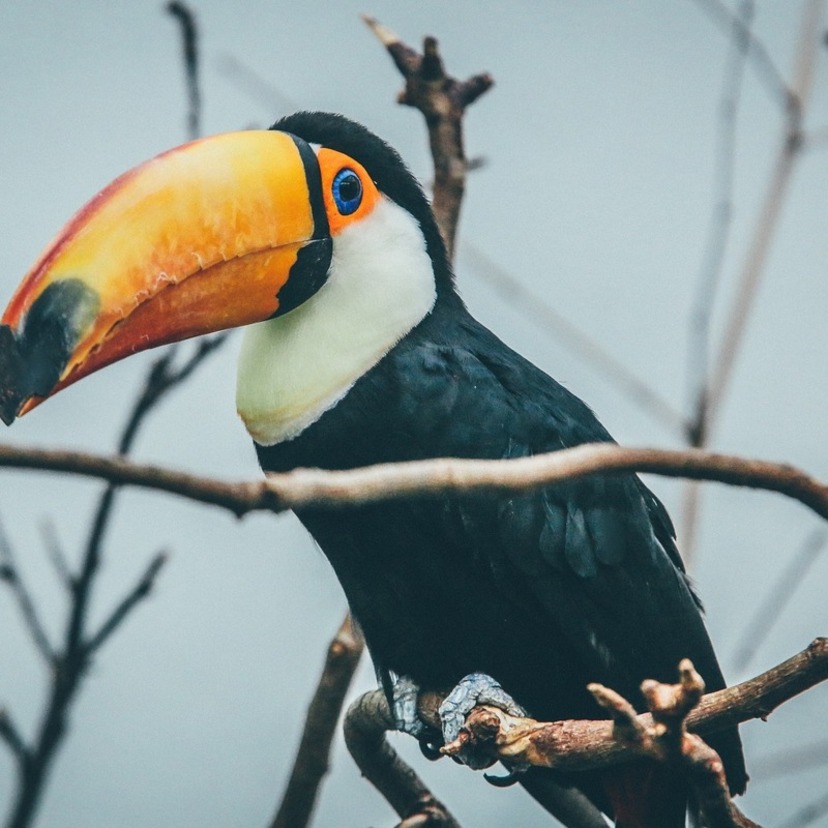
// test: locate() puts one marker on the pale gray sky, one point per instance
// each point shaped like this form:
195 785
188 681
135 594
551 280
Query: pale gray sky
599 138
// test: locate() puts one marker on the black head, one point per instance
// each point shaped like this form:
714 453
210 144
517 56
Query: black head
386 168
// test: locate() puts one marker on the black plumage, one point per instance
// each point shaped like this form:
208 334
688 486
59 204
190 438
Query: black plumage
545 591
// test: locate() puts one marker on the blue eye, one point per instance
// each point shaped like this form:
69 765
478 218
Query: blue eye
347 191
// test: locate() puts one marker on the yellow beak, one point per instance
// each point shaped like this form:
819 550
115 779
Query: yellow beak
201 238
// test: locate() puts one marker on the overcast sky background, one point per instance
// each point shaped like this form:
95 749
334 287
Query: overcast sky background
599 139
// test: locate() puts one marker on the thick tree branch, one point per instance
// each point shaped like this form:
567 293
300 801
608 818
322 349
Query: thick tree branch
311 762
305 488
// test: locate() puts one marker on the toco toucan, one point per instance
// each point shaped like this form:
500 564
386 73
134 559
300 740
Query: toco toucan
359 350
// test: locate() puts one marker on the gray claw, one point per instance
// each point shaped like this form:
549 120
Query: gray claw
406 718
474 689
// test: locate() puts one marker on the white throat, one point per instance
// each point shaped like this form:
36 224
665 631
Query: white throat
295 367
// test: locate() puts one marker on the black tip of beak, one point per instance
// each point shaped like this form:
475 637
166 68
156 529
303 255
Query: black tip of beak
32 361
23 374
10 400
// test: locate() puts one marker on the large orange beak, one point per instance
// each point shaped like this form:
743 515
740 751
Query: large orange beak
201 238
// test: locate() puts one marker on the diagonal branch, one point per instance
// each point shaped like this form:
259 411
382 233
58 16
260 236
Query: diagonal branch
311 762
777 598
768 220
11 736
57 556
10 573
138 593
760 58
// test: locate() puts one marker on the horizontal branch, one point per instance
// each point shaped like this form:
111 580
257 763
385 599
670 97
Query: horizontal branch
304 488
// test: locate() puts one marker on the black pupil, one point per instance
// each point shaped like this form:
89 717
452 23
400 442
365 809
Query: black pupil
349 187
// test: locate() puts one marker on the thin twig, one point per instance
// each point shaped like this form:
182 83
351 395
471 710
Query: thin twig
138 593
189 48
312 757
760 58
57 556
11 736
718 233
779 595
11 574
768 220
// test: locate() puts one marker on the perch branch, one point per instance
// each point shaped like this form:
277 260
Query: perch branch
577 745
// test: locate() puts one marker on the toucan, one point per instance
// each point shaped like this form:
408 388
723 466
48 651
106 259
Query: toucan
357 350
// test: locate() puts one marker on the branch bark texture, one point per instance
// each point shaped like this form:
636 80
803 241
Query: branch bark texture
304 488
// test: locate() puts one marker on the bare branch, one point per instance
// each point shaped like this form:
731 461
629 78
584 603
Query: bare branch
810 41
138 593
189 46
366 723
780 593
10 573
760 58
54 550
718 232
311 763
11 736
442 99
316 487
576 745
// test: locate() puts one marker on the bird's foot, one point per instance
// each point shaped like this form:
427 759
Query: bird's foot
406 718
474 689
